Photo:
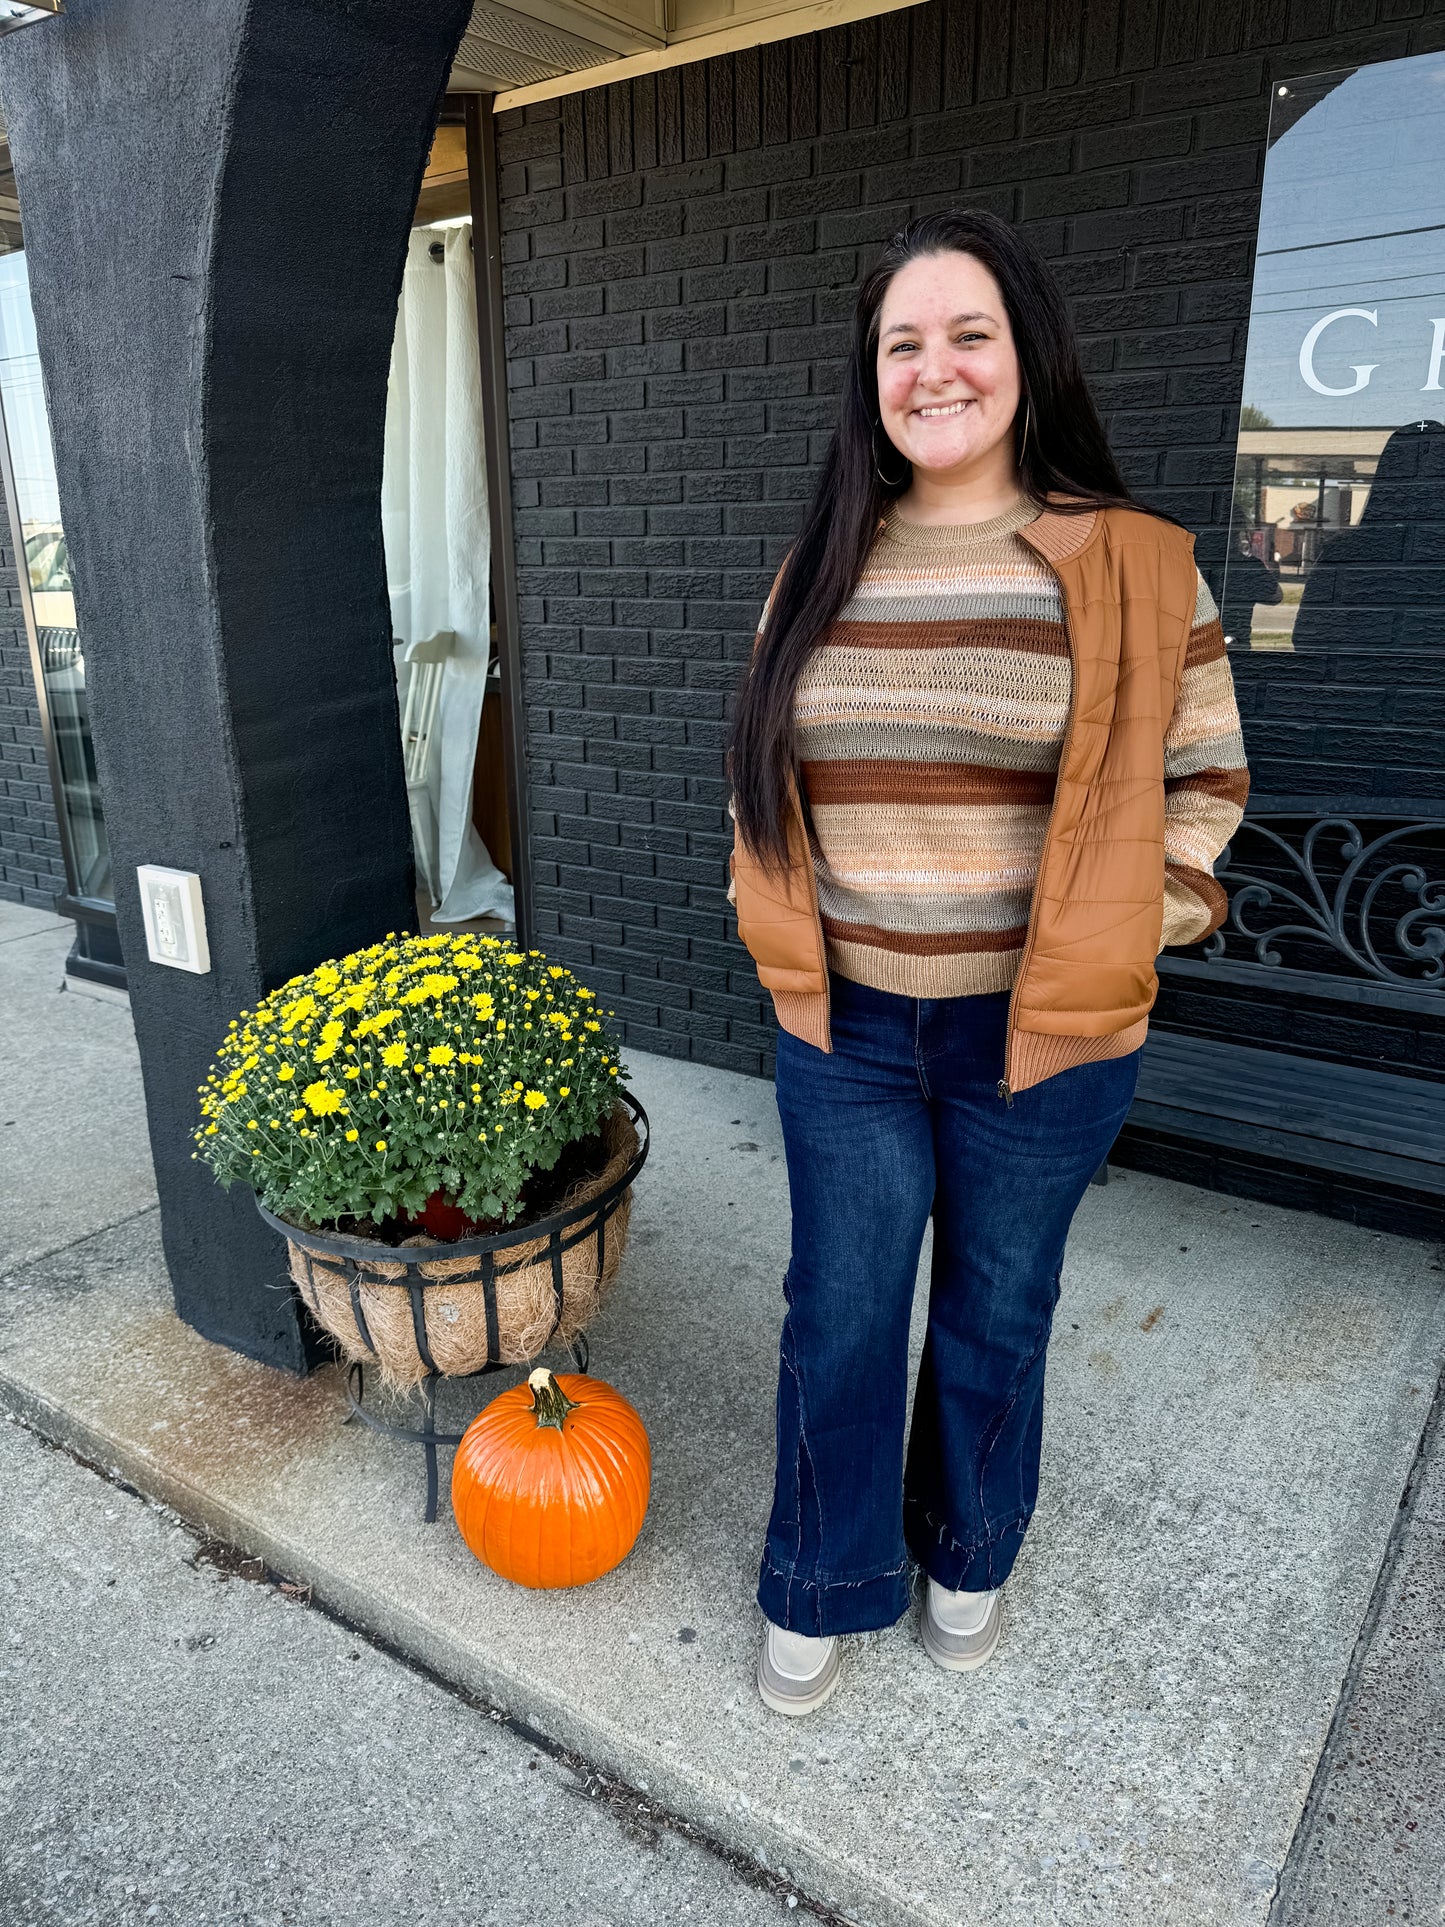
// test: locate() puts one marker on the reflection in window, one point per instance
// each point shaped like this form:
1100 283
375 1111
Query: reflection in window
47 566
1339 496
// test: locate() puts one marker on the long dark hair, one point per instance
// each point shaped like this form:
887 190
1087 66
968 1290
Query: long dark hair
1063 454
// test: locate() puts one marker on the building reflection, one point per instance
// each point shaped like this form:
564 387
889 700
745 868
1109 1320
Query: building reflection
1375 581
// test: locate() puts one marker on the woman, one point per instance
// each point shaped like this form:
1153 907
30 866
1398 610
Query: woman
985 756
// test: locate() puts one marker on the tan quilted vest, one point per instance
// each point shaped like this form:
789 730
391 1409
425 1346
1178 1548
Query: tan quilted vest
1086 980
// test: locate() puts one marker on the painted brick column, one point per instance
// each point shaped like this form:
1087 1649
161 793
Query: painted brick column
216 200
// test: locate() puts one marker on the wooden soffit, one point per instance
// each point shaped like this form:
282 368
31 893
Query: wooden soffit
538 49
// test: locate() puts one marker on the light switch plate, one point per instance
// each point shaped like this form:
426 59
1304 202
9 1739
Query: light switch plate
175 918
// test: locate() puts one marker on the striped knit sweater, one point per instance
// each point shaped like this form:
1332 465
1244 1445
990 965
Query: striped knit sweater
930 723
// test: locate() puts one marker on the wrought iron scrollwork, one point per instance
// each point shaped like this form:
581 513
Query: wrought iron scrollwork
1346 896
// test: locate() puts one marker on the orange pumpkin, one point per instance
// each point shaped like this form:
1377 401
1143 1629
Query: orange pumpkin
550 1482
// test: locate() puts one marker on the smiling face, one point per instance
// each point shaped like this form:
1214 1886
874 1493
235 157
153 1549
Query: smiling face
948 373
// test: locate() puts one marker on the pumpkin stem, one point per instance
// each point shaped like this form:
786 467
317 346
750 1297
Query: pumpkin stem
550 1403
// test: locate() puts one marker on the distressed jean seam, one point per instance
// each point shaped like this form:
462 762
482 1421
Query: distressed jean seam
991 1535
822 1583
996 1431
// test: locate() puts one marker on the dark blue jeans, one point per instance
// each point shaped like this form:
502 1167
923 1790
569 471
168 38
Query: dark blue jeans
904 1118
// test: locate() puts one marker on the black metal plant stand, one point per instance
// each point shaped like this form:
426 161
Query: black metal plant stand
426 1434
356 1258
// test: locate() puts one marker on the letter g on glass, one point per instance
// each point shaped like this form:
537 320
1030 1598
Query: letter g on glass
1362 371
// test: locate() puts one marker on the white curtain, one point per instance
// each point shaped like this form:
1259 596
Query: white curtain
434 524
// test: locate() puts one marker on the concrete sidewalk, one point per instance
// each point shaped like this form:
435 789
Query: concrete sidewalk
206 1792
1235 1403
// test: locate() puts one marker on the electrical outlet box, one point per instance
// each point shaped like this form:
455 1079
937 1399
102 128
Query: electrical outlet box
175 918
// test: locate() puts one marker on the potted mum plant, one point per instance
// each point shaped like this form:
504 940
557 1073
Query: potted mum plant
441 1112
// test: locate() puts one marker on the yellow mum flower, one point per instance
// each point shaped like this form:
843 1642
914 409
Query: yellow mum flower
286 1072
252 1125
381 1144
564 1090
513 957
351 1136
296 1116
394 1055
534 1100
323 1051
321 1098
436 983
333 1032
555 970
441 1054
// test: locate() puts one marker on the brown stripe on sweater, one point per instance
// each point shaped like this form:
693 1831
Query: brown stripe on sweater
952 943
1229 785
1024 633
1206 644
1210 893
886 780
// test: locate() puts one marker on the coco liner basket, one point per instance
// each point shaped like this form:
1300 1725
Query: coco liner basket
426 1308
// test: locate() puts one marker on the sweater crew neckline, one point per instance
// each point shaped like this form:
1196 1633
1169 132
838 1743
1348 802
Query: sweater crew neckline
953 537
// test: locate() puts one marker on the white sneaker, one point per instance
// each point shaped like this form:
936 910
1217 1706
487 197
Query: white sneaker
960 1630
797 1673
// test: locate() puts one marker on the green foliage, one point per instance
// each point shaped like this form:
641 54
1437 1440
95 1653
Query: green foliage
451 1063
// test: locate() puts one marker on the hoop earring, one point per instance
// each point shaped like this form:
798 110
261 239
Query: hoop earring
877 470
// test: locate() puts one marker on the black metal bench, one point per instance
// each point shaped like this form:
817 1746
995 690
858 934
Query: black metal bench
1358 898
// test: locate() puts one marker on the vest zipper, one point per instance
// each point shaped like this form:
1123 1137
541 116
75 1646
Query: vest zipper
1005 1083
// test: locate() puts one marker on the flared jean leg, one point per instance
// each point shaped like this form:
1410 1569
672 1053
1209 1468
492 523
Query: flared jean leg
859 1146
1010 1180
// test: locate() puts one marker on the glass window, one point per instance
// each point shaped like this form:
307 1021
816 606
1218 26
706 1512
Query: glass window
47 567
1334 590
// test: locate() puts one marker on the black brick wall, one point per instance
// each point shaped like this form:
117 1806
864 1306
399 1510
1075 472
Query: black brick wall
32 869
681 253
